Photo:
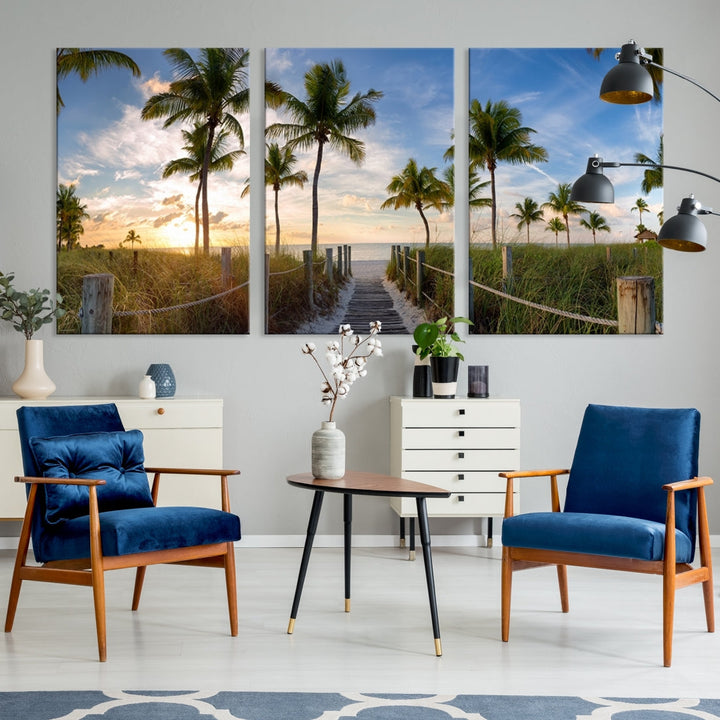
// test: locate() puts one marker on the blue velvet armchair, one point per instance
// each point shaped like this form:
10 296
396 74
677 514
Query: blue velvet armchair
91 509
634 502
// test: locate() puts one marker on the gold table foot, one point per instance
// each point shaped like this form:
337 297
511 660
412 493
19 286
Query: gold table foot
438 647
347 604
291 626
411 555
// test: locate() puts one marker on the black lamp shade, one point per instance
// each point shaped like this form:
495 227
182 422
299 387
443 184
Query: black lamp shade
628 83
593 186
684 231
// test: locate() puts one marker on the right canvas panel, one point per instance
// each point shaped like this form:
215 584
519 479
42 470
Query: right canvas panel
541 262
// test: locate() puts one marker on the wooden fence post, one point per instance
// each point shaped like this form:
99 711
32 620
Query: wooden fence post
419 276
340 261
307 259
348 259
97 299
406 266
507 268
329 264
225 267
636 305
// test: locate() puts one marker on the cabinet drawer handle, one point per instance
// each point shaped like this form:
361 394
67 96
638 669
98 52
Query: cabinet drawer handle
461 498
161 411
461 411
461 433
461 455
461 476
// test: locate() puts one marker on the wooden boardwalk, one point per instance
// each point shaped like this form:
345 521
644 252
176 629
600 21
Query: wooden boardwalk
370 301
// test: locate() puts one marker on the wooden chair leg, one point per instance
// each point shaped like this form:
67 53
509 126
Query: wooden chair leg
98 585
20 560
231 585
562 582
139 580
506 591
668 615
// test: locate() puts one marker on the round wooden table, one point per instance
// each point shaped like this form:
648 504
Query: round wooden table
364 483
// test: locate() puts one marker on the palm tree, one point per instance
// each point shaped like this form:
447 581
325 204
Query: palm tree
596 223
475 188
641 206
211 92
279 164
555 225
497 135
70 214
86 62
326 117
418 188
132 237
192 163
559 202
527 212
653 176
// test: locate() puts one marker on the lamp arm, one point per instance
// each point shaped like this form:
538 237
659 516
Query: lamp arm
644 61
668 167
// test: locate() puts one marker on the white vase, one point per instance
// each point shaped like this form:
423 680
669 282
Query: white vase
328 452
146 389
33 383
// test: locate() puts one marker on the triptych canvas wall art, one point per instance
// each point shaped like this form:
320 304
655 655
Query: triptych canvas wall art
153 197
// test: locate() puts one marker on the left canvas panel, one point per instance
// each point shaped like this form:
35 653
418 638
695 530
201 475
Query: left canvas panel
153 218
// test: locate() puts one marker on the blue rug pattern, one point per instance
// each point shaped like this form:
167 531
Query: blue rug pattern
133 705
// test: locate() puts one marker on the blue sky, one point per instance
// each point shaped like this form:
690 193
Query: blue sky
115 160
414 119
556 91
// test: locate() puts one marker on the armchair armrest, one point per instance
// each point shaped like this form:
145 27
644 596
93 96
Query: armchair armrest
552 474
222 474
688 484
58 481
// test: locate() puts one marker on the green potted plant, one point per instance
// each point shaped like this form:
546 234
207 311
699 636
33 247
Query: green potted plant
27 312
438 340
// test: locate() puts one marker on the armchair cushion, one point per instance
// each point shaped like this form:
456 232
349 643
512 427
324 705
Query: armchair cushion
116 457
144 529
593 534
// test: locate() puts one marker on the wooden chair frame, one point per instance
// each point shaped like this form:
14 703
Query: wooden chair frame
675 575
90 571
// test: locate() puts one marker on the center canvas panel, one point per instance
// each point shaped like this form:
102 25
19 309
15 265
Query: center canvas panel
359 189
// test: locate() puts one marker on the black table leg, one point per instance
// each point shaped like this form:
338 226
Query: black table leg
489 532
402 532
309 537
412 539
347 522
429 576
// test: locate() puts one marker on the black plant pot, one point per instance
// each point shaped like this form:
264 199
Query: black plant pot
444 376
422 379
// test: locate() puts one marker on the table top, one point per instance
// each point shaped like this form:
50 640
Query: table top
365 483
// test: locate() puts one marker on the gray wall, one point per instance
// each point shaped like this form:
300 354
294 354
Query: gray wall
270 390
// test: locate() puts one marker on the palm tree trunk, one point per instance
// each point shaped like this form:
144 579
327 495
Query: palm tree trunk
493 220
277 222
527 227
316 178
197 219
567 228
204 183
425 223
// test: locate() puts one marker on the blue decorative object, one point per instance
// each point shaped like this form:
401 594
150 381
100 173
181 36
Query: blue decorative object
164 379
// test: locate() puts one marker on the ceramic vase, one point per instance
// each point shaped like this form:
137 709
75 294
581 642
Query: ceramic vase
328 452
444 376
422 376
146 389
34 383
164 379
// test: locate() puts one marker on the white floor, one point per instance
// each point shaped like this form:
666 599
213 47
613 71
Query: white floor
608 645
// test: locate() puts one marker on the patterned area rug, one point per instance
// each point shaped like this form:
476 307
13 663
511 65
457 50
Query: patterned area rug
130 705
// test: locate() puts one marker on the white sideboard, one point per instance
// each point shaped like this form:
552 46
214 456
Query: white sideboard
178 432
460 445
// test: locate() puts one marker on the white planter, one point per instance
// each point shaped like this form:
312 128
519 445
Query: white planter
34 383
328 452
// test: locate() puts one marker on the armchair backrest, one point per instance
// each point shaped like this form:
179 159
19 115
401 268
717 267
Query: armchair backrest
54 420
624 456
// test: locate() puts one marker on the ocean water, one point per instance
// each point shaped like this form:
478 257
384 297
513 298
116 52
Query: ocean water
360 251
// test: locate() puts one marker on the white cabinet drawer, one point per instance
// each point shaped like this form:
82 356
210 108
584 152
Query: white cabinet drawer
170 413
461 482
453 437
457 505
460 413
460 460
